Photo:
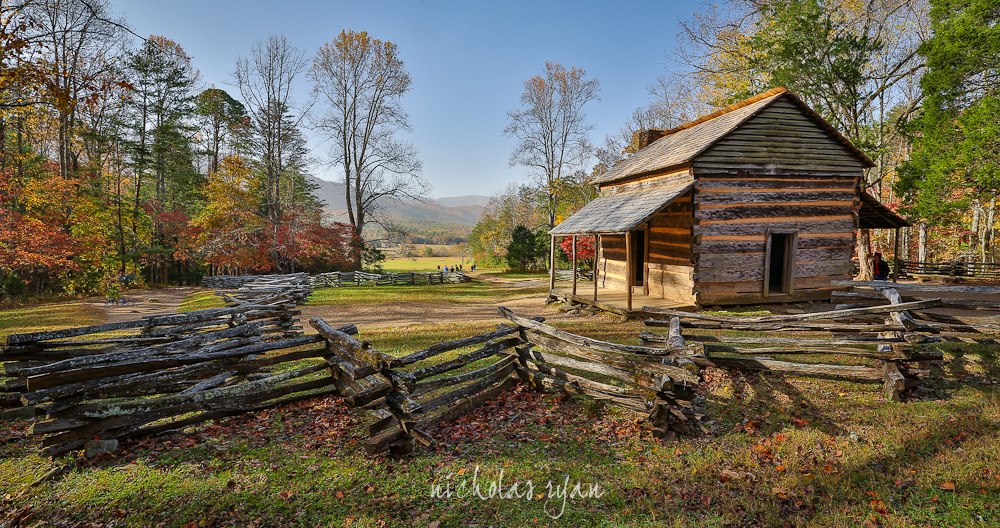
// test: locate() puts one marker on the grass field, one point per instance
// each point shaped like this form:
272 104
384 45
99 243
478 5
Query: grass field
48 316
444 293
398 264
784 451
200 301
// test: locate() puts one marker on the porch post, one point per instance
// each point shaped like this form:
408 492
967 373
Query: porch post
628 270
597 253
552 263
895 255
645 261
574 265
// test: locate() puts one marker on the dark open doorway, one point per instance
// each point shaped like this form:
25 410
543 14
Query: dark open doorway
638 257
779 263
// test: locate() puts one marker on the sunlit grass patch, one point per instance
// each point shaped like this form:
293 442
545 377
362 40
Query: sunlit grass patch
201 300
452 293
48 317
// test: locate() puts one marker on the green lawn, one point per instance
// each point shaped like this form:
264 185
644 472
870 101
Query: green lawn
474 291
50 316
401 264
200 301
782 451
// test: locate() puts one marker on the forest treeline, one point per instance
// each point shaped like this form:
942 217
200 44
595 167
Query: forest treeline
913 83
118 164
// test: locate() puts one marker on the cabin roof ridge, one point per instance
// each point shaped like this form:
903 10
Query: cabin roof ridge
679 146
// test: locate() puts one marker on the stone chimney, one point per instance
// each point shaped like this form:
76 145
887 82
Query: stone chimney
648 136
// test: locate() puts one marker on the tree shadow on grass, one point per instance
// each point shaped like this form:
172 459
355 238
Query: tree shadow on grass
768 403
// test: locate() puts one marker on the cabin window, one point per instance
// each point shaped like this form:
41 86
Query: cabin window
638 257
779 263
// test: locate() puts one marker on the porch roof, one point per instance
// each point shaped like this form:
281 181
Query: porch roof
622 211
874 215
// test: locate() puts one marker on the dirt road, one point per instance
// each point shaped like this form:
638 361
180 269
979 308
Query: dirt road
141 303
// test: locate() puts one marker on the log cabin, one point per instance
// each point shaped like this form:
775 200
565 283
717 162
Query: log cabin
756 203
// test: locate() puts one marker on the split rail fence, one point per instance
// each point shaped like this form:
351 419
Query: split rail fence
955 270
164 373
883 338
139 378
261 290
337 279
159 373
411 394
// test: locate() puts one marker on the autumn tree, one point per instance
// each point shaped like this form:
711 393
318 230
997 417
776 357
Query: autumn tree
515 205
551 128
360 82
162 106
227 233
80 40
266 80
952 176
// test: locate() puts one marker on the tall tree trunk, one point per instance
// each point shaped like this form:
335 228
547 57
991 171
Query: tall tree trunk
977 214
988 231
865 270
922 243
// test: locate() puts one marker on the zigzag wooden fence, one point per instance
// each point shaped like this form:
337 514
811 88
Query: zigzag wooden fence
261 290
891 343
108 381
409 395
954 270
337 279
163 373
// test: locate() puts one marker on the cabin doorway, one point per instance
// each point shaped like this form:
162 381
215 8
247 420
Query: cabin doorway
638 257
779 263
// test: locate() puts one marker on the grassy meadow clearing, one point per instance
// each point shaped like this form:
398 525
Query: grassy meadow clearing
783 451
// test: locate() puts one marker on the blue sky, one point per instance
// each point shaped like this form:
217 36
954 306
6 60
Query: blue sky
468 60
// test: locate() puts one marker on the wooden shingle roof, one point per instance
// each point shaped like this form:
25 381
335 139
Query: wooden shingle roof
875 215
679 146
623 211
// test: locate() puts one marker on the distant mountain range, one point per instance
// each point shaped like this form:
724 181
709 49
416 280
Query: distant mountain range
452 213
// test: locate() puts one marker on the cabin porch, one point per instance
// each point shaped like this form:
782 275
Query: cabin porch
616 300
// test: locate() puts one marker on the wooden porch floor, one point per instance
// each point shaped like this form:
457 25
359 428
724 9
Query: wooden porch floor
616 301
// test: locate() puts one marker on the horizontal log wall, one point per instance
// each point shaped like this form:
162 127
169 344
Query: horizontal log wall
779 171
781 139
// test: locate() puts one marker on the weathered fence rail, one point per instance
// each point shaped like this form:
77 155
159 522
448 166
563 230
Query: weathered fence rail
337 279
267 290
892 343
159 373
957 270
581 274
